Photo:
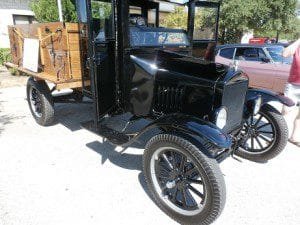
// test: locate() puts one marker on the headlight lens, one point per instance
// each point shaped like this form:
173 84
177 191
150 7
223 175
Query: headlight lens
257 105
221 117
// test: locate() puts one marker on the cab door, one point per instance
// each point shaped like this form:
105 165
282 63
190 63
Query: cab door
97 36
205 30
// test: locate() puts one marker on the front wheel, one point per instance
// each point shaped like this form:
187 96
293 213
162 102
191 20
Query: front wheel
184 183
264 136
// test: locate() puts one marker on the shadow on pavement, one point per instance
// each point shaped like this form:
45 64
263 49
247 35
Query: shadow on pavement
72 114
123 160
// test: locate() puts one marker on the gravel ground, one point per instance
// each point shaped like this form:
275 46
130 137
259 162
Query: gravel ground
7 80
64 175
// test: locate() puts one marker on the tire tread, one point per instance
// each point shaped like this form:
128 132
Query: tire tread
210 167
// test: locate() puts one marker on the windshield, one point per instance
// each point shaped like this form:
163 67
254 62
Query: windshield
276 55
157 37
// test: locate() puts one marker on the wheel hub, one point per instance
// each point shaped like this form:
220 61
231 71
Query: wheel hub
253 131
175 179
35 102
171 184
258 134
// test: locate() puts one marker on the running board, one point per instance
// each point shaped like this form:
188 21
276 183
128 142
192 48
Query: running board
113 136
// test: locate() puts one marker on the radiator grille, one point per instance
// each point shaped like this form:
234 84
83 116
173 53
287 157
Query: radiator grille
233 99
168 98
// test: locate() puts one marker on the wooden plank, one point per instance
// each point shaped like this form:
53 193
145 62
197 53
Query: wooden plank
73 27
69 85
20 44
76 64
69 55
74 42
42 59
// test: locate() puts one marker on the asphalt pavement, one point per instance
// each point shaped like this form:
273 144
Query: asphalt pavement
65 175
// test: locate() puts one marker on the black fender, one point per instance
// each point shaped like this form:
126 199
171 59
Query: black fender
268 96
199 132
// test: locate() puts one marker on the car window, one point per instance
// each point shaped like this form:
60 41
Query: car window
276 54
248 54
227 53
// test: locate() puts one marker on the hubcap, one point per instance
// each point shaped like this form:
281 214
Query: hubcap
178 181
35 102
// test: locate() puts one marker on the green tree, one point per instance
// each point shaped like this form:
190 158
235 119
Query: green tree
262 16
237 16
47 10
282 17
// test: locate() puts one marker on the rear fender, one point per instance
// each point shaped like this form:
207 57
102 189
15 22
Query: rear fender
205 135
268 96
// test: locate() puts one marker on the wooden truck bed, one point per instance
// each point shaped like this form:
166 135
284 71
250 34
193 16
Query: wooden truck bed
59 52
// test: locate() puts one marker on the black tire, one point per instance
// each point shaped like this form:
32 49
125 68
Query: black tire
40 102
213 185
277 143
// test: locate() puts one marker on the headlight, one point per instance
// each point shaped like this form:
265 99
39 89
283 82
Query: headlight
221 117
257 105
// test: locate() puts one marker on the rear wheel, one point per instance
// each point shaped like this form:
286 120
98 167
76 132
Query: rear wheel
184 183
264 135
40 102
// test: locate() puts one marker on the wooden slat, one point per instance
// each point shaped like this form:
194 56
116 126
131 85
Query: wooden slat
67 85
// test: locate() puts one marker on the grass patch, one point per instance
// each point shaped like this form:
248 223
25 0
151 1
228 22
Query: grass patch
4 55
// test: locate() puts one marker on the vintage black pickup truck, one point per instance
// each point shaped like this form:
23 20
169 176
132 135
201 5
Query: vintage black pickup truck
158 87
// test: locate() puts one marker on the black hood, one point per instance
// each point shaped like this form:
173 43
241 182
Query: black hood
178 63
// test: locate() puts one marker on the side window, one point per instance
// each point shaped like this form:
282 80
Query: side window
247 54
227 53
166 16
81 11
102 15
205 23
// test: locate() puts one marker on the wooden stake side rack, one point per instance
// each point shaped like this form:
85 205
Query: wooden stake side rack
59 54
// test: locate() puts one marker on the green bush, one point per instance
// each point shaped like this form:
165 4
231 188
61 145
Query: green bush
4 55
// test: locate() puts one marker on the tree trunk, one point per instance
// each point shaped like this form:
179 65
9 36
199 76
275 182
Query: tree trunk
277 36
221 36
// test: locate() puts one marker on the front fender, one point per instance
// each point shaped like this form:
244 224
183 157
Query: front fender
268 96
198 131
